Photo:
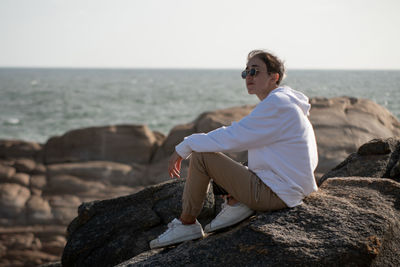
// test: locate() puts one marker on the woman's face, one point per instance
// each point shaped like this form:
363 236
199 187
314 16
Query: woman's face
262 83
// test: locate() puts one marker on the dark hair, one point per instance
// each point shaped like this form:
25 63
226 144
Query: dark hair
273 63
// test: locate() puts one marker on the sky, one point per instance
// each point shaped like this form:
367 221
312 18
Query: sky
306 34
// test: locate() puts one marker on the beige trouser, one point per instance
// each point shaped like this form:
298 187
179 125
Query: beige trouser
236 179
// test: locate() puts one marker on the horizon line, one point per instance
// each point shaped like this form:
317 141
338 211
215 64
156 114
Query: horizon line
187 68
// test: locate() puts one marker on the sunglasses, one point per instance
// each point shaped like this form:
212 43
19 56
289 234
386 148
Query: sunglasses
252 72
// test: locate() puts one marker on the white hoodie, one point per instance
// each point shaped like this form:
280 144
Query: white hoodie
280 140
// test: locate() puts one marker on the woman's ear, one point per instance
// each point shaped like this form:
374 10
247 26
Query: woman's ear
276 77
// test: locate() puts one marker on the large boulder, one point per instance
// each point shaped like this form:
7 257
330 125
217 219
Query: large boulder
111 231
350 221
377 158
120 143
343 124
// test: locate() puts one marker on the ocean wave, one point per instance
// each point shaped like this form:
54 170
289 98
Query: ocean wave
12 121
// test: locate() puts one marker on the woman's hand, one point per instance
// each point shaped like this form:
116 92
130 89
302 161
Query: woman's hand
174 165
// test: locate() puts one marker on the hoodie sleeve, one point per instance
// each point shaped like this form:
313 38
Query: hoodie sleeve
261 127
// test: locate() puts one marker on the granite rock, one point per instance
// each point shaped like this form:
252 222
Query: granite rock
376 158
13 198
111 231
110 173
38 211
352 221
24 165
119 143
20 149
6 172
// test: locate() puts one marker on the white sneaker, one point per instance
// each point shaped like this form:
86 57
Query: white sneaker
177 233
228 216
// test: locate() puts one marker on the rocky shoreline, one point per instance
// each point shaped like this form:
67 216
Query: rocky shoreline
42 185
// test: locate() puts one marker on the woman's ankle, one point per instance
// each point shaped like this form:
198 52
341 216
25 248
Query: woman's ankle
232 201
187 219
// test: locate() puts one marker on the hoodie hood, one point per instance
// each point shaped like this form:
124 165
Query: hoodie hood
296 97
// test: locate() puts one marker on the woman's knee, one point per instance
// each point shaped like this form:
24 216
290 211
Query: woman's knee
201 155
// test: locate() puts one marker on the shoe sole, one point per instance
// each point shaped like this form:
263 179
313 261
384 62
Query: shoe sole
176 241
238 220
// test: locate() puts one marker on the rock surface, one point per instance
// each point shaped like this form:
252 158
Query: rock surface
30 246
350 120
121 143
377 158
13 198
6 172
350 221
108 173
20 149
111 231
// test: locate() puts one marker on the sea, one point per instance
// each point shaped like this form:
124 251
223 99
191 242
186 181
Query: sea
38 103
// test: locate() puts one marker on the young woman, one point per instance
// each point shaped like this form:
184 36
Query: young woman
282 156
